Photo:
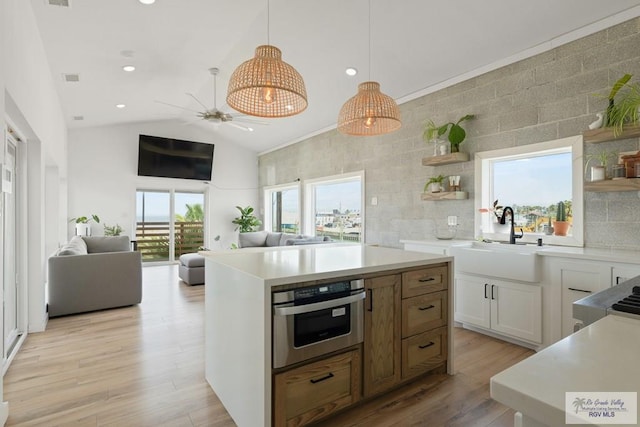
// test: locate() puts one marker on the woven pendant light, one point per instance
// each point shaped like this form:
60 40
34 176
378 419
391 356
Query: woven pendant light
266 86
370 112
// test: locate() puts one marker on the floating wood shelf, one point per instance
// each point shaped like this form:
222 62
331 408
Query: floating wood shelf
446 195
445 160
628 184
606 134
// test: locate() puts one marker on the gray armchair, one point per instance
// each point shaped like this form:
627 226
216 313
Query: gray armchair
94 273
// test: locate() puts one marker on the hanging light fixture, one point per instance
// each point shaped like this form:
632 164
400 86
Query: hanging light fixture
370 112
266 86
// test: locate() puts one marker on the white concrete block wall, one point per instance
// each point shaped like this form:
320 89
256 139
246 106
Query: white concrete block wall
541 98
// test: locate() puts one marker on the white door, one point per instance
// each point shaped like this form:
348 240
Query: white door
472 303
11 331
516 310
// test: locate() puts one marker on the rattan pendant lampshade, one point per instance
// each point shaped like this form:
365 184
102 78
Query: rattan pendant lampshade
370 112
266 86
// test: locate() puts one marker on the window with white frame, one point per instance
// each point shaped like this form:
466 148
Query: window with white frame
532 180
334 207
282 208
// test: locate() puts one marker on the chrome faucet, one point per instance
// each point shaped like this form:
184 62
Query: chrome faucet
512 234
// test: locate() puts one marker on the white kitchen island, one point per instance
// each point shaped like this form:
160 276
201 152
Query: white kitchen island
603 357
238 286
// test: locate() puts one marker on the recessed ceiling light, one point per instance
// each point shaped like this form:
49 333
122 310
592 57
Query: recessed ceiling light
120 105
351 71
129 68
147 1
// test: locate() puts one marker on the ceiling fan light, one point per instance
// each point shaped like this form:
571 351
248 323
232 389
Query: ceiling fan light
266 86
370 112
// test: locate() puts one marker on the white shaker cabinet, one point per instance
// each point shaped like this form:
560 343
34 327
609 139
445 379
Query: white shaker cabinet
508 308
623 272
581 278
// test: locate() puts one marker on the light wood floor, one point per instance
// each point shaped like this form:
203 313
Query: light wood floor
143 366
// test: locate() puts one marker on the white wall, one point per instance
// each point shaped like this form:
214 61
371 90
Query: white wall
103 165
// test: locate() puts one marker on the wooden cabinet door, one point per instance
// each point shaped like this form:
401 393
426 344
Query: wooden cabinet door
516 309
382 329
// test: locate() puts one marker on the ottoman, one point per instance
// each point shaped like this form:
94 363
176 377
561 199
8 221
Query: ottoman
191 269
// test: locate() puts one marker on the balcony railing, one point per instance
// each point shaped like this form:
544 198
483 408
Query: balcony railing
154 239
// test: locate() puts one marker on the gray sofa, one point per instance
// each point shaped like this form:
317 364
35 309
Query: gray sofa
266 238
94 273
191 269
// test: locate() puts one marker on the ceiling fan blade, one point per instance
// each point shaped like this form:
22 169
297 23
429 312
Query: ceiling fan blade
176 106
249 120
239 126
198 101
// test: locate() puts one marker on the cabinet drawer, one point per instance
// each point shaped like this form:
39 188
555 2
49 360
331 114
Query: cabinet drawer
311 392
423 352
423 281
424 312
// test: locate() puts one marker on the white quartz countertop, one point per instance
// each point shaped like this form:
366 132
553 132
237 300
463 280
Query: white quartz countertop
290 264
601 357
593 254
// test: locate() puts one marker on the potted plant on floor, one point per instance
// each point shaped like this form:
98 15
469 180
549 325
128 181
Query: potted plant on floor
561 225
83 228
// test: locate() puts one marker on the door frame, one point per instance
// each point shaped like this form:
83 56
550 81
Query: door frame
22 302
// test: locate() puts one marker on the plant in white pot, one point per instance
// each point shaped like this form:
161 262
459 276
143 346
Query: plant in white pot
434 185
83 228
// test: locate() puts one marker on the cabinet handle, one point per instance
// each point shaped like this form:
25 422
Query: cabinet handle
492 295
427 279
326 377
619 280
485 290
426 308
370 300
426 345
579 290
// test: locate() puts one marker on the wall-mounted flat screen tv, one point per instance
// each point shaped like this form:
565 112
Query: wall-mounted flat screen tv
174 158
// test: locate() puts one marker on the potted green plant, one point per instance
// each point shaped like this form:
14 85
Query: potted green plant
599 171
626 111
561 224
434 185
83 228
115 230
456 135
247 221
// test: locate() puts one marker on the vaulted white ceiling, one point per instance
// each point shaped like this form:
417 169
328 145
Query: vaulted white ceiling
416 45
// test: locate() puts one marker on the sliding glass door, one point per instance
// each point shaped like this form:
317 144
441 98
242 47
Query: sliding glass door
169 224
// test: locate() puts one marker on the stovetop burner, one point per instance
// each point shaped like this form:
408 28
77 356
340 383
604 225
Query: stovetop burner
630 304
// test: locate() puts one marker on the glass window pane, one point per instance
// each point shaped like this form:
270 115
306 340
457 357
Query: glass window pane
153 210
533 186
189 223
285 214
338 207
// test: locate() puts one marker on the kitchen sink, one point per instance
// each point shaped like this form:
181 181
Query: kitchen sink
514 262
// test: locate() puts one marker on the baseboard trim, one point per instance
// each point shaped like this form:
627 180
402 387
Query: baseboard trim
515 341
4 412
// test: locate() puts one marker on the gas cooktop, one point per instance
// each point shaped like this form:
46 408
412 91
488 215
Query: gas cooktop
629 304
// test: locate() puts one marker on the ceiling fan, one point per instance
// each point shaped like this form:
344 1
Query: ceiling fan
216 116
